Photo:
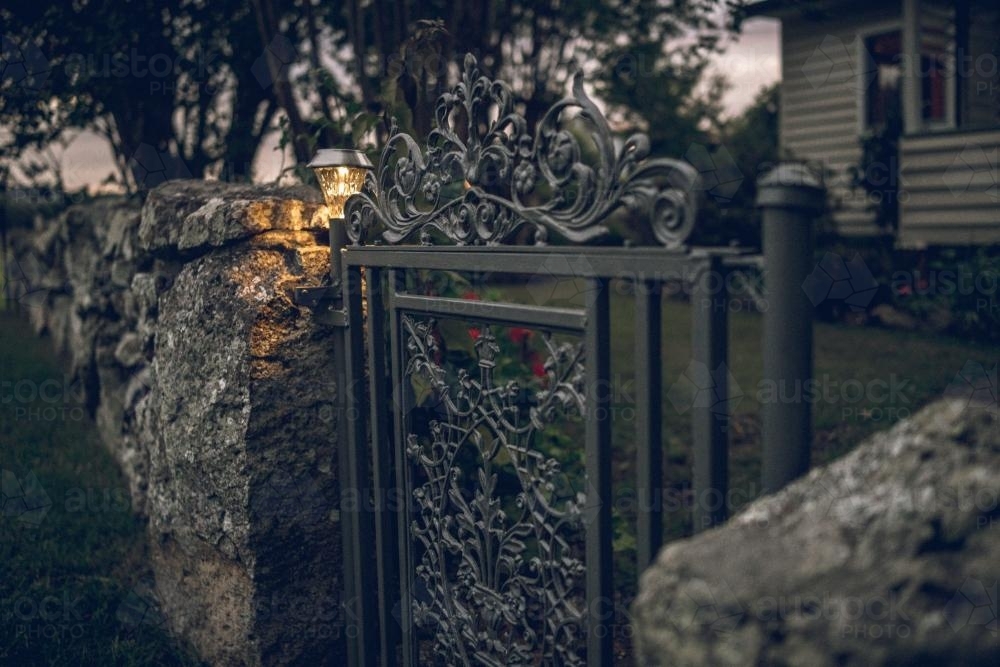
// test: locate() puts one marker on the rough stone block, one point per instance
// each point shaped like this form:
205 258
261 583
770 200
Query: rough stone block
885 557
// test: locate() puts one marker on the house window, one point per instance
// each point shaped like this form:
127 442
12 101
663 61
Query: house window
933 89
936 36
958 73
883 99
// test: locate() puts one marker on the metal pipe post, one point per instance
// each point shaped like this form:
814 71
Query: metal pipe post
790 196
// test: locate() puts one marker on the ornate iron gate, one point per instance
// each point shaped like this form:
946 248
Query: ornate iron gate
476 540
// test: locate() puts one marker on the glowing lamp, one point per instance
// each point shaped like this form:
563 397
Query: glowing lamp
341 174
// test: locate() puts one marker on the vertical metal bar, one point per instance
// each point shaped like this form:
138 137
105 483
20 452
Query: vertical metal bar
346 482
648 428
356 521
338 241
789 197
400 416
598 452
710 413
386 538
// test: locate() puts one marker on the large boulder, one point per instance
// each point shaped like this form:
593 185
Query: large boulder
889 556
243 492
243 489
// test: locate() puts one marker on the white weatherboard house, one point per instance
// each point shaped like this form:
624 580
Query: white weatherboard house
847 65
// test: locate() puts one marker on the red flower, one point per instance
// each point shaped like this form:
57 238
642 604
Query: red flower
538 366
471 296
475 333
519 335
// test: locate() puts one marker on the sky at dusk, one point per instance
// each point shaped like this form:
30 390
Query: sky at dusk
750 62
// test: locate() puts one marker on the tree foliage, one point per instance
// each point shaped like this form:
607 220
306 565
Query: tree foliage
750 141
199 84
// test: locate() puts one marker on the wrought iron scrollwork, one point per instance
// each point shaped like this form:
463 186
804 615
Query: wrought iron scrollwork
501 573
483 175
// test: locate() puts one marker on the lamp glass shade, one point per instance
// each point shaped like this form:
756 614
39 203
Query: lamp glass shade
338 185
341 174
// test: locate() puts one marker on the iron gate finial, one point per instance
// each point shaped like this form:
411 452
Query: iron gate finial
483 175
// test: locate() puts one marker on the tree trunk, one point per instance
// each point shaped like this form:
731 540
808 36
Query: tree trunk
267 26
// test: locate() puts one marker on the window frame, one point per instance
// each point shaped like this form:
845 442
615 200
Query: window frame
861 61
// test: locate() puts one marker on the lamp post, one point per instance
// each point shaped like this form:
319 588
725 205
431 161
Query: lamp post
341 174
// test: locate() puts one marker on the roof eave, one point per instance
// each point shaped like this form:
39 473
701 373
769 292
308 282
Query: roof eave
782 8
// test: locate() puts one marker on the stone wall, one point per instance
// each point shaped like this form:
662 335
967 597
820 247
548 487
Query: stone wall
888 556
214 392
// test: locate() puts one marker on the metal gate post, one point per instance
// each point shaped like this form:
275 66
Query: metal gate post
710 419
360 606
790 196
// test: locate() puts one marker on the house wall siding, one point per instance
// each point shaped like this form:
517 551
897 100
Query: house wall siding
819 118
949 189
948 180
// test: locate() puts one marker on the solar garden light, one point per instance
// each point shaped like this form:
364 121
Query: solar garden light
341 174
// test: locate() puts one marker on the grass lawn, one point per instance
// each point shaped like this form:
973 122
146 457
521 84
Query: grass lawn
867 379
72 556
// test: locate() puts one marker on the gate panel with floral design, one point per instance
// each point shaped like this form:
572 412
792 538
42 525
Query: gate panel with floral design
480 447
